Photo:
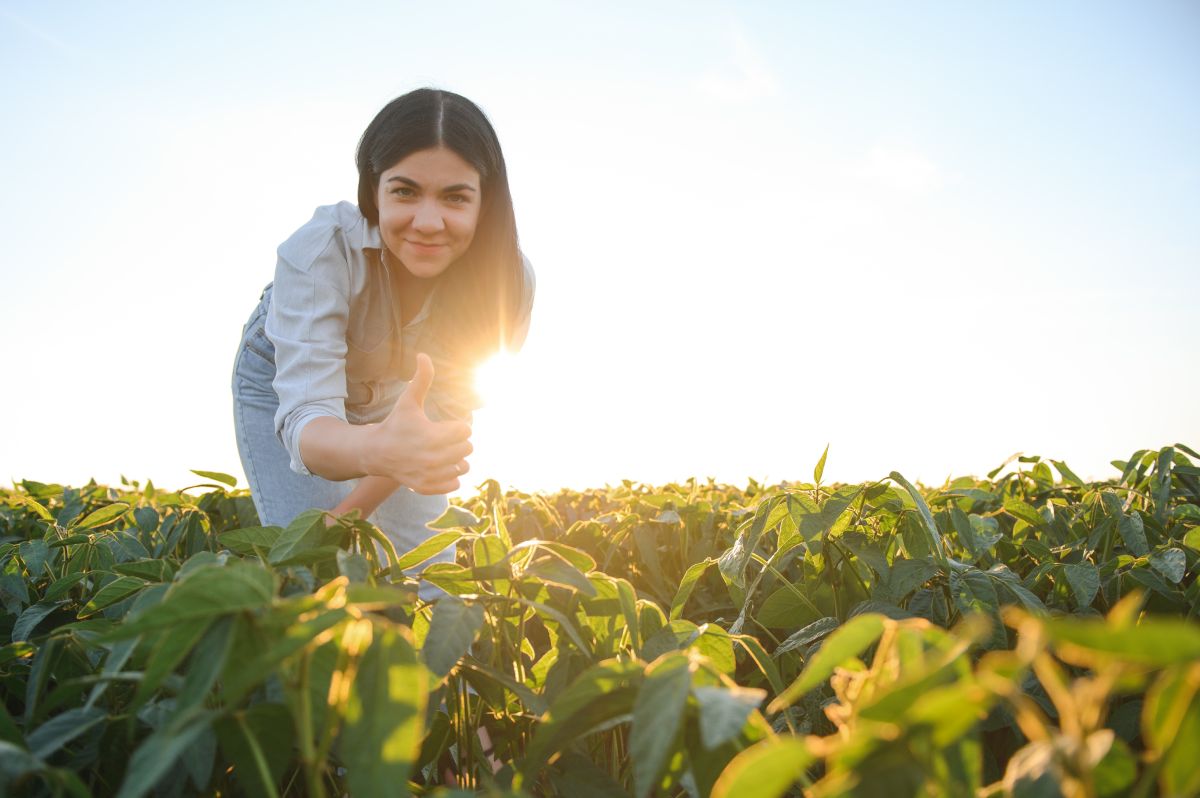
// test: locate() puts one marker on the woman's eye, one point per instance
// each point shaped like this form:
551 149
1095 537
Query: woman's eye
458 199
403 191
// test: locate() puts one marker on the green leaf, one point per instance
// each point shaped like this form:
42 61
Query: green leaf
1084 580
302 540
258 742
148 569
384 720
119 589
905 576
1157 642
765 770
451 632
30 618
1115 773
1191 538
212 590
688 584
169 650
353 566
1067 474
454 517
724 711
1171 563
33 504
819 471
206 663
552 568
601 693
98 518
156 756
848 641
1171 722
244 541
1133 532
224 479
932 539
430 547
657 717
808 635
47 739
763 660
716 644
1025 512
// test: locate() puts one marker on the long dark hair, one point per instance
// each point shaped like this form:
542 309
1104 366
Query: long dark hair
478 297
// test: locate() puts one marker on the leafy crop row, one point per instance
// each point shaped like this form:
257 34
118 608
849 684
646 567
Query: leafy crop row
1025 634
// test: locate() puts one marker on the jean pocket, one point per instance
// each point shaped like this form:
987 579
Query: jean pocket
257 342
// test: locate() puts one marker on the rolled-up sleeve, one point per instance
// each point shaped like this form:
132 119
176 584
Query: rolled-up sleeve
307 319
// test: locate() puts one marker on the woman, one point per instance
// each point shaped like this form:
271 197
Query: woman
351 384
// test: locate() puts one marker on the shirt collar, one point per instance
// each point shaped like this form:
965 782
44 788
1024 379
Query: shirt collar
370 236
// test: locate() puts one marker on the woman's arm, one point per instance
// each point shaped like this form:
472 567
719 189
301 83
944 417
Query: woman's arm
366 497
407 447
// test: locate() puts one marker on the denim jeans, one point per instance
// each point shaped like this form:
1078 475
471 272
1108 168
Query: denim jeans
281 494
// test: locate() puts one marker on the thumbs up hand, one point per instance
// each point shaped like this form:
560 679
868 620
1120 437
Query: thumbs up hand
423 455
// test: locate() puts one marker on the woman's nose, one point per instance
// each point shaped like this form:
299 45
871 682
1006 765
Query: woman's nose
428 219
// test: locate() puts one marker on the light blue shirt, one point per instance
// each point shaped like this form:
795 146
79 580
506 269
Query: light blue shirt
340 347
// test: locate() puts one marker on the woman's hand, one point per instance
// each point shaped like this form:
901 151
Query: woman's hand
425 456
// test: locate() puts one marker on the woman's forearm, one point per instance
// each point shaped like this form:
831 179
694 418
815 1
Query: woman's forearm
366 496
334 449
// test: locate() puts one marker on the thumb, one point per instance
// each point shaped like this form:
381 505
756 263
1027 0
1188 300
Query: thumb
422 378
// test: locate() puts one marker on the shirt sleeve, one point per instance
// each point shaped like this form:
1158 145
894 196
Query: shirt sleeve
307 320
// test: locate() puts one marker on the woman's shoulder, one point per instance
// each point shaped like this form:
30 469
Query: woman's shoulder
341 222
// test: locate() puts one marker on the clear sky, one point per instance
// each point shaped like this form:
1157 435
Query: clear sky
930 234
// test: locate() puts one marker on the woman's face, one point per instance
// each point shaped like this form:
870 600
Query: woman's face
428 210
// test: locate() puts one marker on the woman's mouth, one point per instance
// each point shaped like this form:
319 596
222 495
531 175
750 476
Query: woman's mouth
424 248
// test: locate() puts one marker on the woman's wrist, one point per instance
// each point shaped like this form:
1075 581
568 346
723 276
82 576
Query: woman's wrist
337 450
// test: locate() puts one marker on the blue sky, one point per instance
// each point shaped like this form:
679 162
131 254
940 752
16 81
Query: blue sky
930 234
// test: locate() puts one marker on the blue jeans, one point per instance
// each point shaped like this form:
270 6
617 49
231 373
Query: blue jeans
281 494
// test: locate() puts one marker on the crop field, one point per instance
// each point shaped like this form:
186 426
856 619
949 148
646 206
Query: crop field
1026 634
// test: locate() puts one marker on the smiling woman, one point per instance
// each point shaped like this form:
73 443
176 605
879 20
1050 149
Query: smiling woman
352 384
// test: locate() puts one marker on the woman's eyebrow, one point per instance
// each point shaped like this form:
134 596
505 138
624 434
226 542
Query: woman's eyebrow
410 182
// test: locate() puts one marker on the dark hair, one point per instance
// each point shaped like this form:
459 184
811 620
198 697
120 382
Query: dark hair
478 297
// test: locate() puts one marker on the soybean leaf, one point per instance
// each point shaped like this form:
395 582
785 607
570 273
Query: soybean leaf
98 518
455 517
212 590
724 710
808 635
118 589
385 714
451 632
657 717
244 541
765 770
932 539
30 618
819 471
848 641
688 584
604 691
1024 512
224 479
1133 532
433 545
1157 642
158 753
1171 563
258 742
47 739
1084 580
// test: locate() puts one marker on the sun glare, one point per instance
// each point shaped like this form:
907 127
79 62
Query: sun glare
493 378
